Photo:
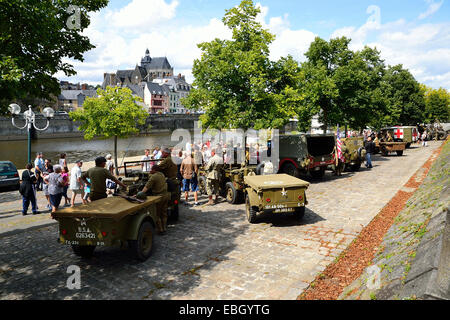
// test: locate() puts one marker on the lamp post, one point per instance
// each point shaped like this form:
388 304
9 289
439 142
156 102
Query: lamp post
30 120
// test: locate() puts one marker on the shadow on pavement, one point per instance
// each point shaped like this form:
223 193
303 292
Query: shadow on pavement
34 266
288 219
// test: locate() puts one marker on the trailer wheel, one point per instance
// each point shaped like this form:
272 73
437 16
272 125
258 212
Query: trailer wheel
250 211
399 153
232 195
299 213
143 246
83 251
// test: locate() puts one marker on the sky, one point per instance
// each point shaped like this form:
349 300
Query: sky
415 33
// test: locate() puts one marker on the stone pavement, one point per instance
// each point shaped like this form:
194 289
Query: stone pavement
212 252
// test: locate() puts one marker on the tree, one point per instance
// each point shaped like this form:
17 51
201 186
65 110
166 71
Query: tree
35 36
437 104
406 102
236 84
114 114
319 86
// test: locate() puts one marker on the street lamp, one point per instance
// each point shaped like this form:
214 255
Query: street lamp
30 120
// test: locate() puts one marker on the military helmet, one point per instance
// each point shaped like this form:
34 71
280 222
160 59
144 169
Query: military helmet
141 195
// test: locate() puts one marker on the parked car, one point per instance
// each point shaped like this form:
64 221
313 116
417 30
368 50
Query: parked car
9 176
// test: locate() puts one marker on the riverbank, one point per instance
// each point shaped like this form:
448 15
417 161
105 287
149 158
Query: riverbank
62 126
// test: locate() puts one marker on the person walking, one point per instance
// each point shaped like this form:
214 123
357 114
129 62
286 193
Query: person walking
65 176
75 183
39 169
213 169
98 176
370 149
27 190
48 169
189 172
62 160
146 165
55 187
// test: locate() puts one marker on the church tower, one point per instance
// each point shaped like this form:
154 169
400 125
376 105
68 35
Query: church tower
145 62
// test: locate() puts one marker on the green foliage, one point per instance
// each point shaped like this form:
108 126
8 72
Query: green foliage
237 85
113 114
34 39
405 100
437 104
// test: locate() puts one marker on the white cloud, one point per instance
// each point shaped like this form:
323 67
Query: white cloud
143 14
422 48
432 8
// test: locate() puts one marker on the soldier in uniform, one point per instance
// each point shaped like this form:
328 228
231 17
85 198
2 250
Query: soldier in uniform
213 169
98 176
157 186
170 170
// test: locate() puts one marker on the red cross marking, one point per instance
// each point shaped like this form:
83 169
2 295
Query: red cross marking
399 133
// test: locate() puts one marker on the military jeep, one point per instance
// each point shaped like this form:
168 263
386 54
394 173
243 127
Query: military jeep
231 182
354 152
306 153
275 193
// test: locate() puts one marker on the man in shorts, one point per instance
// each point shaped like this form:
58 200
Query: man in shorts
189 172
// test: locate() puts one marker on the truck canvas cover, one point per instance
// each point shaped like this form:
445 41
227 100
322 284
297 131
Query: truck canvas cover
274 181
111 207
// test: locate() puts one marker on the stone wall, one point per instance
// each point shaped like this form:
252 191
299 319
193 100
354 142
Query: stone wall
62 126
414 257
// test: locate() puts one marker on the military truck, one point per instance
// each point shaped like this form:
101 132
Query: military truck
276 193
113 221
306 153
408 134
354 152
136 179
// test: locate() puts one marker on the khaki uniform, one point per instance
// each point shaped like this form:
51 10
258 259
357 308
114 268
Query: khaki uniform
213 169
170 170
157 186
98 176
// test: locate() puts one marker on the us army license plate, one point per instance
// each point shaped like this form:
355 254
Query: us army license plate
283 210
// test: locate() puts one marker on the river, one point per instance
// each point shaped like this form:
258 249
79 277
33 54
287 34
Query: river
78 148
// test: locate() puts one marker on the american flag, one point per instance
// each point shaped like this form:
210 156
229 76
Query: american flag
338 145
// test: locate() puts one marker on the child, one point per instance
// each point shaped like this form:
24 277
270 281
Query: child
87 190
65 176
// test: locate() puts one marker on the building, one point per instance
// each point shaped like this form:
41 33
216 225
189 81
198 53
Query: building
149 69
70 100
66 85
144 80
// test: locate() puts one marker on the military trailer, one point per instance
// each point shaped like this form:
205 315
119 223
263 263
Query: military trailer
354 152
136 179
276 193
306 153
112 221
387 147
408 134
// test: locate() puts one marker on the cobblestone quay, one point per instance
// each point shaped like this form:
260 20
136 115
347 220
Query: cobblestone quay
212 252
